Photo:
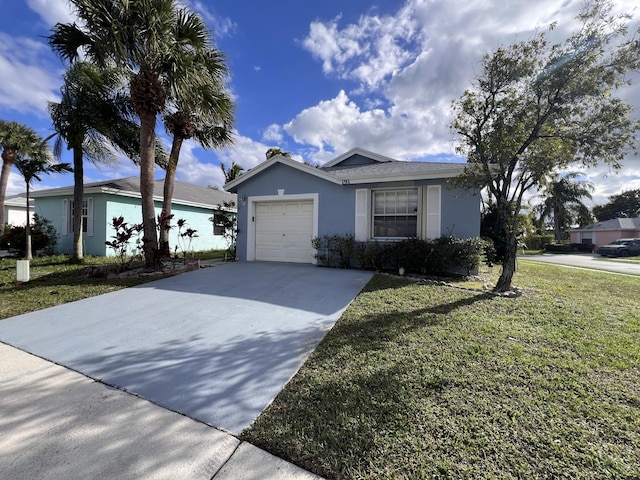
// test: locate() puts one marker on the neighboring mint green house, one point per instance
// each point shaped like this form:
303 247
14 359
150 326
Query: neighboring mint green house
113 198
283 204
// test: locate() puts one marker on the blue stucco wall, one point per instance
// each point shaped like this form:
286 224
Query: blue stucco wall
105 207
460 209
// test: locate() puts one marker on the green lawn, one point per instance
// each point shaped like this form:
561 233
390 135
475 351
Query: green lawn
420 381
55 281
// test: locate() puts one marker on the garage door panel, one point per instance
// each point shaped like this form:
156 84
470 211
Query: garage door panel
284 231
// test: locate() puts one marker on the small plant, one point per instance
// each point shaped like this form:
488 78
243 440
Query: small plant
226 221
163 225
185 238
123 236
335 251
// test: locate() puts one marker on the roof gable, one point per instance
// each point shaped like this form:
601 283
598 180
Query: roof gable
358 166
284 161
357 156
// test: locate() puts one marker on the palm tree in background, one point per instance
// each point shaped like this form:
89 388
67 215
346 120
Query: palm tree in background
273 151
231 173
31 166
17 141
563 201
206 114
155 41
94 119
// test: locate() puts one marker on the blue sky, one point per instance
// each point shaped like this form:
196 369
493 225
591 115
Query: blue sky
316 78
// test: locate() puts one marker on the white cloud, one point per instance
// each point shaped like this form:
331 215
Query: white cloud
220 26
27 84
52 11
337 125
15 184
273 133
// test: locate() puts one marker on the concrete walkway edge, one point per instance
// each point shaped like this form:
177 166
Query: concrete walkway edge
58 423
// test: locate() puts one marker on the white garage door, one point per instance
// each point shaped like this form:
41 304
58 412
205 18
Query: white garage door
284 231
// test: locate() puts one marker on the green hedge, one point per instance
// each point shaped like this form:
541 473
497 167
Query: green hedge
444 255
537 242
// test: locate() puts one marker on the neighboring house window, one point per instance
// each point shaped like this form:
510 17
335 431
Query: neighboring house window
68 210
395 213
219 224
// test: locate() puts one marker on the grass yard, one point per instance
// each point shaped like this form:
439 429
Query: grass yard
420 381
55 281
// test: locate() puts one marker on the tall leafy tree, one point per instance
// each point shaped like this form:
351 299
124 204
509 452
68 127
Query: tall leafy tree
205 114
155 40
16 141
537 108
623 205
32 166
93 117
563 196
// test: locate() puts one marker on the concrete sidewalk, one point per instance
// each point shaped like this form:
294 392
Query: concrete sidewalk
56 423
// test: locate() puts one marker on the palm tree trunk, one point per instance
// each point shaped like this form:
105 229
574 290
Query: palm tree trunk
4 180
78 192
147 171
557 221
169 183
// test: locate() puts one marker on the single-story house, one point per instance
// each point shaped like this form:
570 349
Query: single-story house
283 204
603 233
113 198
15 210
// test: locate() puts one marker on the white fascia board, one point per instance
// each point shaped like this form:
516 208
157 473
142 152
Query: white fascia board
402 178
285 161
359 151
68 191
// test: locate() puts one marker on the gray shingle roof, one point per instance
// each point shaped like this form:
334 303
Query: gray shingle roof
614 224
183 193
395 168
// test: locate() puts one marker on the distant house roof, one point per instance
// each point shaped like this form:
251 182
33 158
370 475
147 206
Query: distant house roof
613 224
376 169
183 194
19 200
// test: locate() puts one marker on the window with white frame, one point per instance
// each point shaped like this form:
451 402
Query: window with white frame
395 213
87 216
219 224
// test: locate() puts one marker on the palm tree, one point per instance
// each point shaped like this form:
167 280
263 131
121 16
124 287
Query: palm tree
231 173
92 117
273 151
206 115
563 200
32 166
16 141
155 40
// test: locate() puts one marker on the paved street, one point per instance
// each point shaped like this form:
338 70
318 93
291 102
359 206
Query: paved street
586 260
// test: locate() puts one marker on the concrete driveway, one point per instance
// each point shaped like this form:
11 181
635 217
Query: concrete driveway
217 344
586 260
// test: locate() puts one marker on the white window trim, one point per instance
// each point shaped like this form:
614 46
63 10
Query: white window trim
251 215
429 217
66 217
370 214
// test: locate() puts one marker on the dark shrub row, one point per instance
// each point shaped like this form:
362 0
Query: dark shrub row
444 255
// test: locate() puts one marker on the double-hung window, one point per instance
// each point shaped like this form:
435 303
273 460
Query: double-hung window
395 213
68 210
219 224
